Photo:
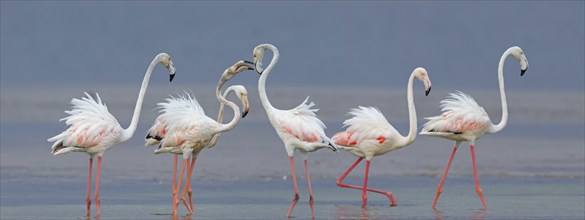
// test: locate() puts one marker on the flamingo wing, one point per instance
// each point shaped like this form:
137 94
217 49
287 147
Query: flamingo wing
303 124
90 124
366 123
461 114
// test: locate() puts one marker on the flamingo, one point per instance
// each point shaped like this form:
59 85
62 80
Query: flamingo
298 128
369 134
93 130
183 128
462 119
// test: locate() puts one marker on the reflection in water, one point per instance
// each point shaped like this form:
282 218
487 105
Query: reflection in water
359 212
478 215
184 217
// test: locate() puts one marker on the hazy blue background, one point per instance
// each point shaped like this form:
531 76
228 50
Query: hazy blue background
321 43
342 54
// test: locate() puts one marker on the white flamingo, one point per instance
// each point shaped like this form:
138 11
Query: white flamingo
464 120
183 128
369 134
93 130
299 128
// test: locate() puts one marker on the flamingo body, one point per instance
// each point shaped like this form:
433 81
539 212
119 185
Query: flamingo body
462 119
92 129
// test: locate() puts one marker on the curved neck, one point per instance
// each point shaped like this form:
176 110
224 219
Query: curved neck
221 110
234 121
235 108
128 132
262 80
504 120
411 113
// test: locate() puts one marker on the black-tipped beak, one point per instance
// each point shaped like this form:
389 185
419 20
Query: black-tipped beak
523 71
171 77
249 62
428 91
244 113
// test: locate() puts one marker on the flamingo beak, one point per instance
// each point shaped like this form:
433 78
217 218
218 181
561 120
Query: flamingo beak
171 76
523 71
245 106
428 91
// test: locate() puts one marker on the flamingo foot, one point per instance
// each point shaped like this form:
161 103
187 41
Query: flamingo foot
480 194
292 205
186 205
88 200
392 200
312 204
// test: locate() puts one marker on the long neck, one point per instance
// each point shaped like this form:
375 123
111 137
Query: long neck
221 111
504 120
262 82
411 113
128 132
234 121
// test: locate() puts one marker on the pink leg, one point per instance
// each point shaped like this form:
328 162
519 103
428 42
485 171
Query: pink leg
364 195
440 187
190 190
176 201
341 184
96 196
294 176
188 186
175 210
87 198
477 187
311 201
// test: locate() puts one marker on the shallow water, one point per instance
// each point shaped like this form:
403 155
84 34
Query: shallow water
507 198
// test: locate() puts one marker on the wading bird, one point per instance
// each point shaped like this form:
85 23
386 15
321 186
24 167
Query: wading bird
462 119
369 134
93 130
183 128
298 128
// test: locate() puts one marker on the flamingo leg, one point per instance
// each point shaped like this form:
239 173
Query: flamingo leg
342 177
96 196
176 200
190 190
477 187
187 185
175 210
87 197
294 176
364 190
443 177
311 201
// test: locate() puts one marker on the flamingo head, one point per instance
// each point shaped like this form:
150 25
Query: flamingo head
165 60
258 54
236 68
422 75
242 94
518 54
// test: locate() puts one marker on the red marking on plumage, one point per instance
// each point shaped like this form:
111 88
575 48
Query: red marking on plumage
79 139
381 139
343 138
164 131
